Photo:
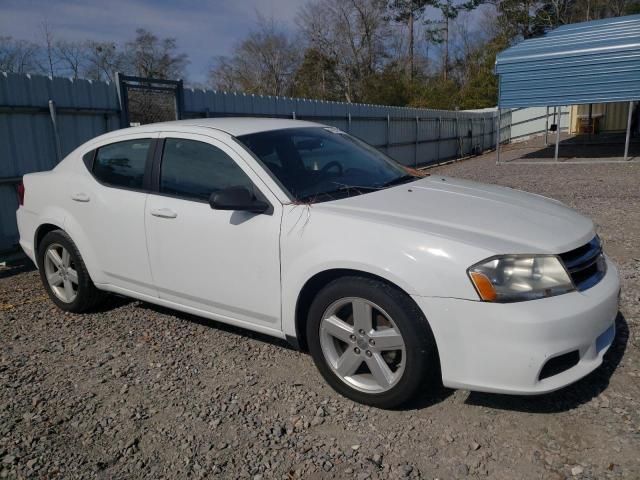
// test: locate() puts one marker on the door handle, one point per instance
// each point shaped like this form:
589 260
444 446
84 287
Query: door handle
164 213
80 197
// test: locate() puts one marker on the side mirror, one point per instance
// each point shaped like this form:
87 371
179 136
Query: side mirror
237 198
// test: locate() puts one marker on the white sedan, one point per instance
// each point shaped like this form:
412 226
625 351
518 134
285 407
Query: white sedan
392 280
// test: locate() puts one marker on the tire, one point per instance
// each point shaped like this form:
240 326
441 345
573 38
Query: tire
412 361
83 295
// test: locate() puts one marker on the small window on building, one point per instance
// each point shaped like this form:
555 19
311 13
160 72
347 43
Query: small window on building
122 164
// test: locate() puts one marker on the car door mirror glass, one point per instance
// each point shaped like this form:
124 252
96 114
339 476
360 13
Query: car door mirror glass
237 198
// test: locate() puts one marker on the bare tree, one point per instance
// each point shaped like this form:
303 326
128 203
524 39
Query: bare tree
49 48
264 62
72 56
150 56
18 56
352 33
104 59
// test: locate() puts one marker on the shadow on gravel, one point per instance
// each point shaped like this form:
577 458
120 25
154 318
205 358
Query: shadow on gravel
14 265
111 302
218 325
580 146
422 401
427 399
569 397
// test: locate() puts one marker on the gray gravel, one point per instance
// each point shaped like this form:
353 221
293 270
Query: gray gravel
137 391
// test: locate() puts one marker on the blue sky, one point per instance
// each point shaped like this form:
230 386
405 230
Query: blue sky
203 29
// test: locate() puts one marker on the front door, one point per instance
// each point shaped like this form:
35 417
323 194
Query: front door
226 263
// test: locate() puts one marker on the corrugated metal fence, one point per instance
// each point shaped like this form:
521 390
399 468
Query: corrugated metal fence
42 119
412 136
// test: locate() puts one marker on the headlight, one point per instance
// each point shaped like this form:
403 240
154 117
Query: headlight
514 278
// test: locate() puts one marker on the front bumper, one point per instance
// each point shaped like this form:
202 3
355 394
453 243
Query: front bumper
502 348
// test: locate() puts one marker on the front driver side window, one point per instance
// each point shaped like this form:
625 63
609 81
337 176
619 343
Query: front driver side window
194 170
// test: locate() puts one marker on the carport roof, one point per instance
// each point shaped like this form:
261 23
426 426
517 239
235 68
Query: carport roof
589 62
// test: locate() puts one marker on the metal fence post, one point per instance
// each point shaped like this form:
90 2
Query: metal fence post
626 141
54 124
121 89
293 115
415 153
559 118
439 139
498 121
388 133
458 136
179 99
546 128
349 122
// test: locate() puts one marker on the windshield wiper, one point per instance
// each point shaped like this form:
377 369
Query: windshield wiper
399 180
341 190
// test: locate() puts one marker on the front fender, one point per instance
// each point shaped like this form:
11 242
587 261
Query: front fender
418 263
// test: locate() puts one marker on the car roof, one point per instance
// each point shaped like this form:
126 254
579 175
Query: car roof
235 126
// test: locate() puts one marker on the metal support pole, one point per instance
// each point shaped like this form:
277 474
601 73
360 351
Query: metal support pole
415 153
349 122
555 156
54 123
498 120
546 128
626 141
482 141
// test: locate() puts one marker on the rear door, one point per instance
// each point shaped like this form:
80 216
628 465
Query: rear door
109 211
226 263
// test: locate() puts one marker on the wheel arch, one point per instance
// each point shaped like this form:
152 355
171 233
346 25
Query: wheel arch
311 288
41 231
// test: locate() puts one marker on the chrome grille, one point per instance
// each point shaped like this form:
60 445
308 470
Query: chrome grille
585 264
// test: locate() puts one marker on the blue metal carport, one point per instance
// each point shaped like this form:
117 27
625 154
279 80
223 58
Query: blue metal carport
589 62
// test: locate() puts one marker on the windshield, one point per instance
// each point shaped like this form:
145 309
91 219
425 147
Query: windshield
320 164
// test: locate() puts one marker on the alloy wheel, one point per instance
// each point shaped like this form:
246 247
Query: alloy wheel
362 345
61 273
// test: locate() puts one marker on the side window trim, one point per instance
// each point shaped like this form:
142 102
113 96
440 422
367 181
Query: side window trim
89 158
149 173
90 161
157 166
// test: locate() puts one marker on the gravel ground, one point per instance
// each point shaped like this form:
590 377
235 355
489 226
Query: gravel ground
138 391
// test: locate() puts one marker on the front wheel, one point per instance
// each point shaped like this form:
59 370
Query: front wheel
371 342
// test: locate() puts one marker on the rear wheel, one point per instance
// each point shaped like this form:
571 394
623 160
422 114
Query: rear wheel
64 274
371 342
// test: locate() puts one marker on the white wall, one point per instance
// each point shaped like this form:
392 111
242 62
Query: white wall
527 122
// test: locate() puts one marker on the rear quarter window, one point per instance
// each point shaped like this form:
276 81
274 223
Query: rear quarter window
122 164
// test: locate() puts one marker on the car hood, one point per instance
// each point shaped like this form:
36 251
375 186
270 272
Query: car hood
499 219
